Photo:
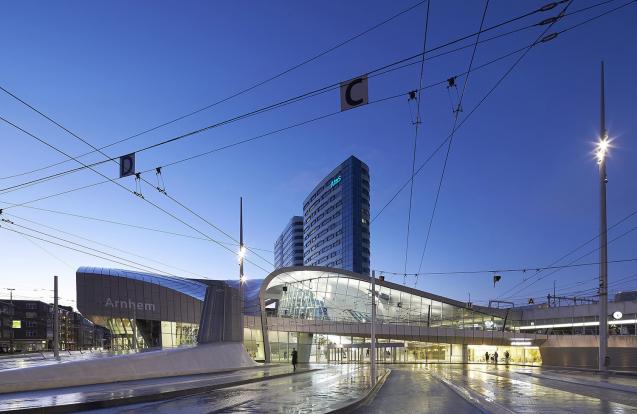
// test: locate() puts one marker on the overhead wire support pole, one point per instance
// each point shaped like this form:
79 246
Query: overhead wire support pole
11 338
56 320
603 248
242 279
372 345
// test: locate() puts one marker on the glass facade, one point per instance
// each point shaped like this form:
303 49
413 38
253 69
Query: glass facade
299 296
336 219
325 295
288 249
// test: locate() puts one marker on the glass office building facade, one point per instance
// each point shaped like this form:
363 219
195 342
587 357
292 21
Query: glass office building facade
336 219
288 248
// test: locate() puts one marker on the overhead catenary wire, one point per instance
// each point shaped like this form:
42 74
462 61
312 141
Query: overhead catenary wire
296 125
454 128
306 95
575 260
138 265
417 123
466 118
163 210
109 259
127 251
577 248
229 97
502 270
120 223
47 252
400 189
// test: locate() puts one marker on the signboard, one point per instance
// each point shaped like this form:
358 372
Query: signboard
335 181
354 93
126 165
16 324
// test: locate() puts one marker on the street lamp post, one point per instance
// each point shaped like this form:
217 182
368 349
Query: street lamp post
242 251
11 338
602 150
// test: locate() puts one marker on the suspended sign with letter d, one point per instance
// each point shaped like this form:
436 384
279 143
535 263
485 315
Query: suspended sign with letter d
354 93
126 165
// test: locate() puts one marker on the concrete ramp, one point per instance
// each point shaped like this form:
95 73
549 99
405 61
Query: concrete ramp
200 359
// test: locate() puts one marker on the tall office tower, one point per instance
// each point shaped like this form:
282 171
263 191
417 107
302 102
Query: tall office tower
288 248
336 214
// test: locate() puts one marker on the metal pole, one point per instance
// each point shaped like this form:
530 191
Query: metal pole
134 329
554 293
603 251
56 320
241 254
11 338
372 351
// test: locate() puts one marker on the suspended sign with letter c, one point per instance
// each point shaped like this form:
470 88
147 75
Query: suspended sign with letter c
354 93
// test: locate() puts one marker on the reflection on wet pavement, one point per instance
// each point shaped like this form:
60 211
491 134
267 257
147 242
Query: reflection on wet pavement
119 390
312 392
412 389
523 394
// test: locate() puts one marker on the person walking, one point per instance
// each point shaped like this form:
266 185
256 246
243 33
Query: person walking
295 358
506 357
486 357
495 357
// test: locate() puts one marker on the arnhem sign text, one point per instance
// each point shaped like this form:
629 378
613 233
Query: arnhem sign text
130 304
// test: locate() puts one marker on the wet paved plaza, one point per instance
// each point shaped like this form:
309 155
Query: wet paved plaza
410 388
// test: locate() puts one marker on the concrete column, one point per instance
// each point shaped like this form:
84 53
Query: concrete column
304 347
465 353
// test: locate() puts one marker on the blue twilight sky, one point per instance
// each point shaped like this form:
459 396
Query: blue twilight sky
521 184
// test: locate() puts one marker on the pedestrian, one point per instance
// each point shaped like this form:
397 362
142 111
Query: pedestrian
486 357
506 357
295 356
495 357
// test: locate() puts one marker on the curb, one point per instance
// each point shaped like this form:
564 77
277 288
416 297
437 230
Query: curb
602 385
472 397
93 405
350 407
594 370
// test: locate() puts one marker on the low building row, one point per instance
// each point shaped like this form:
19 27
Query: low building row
27 326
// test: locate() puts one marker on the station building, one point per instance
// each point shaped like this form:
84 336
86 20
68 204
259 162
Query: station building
325 313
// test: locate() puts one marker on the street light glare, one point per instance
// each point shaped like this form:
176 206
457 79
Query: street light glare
603 145
241 254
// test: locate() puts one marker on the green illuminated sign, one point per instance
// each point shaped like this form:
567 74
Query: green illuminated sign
16 324
335 181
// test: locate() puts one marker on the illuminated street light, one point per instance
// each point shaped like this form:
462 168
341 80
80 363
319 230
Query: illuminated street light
601 150
603 146
241 254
